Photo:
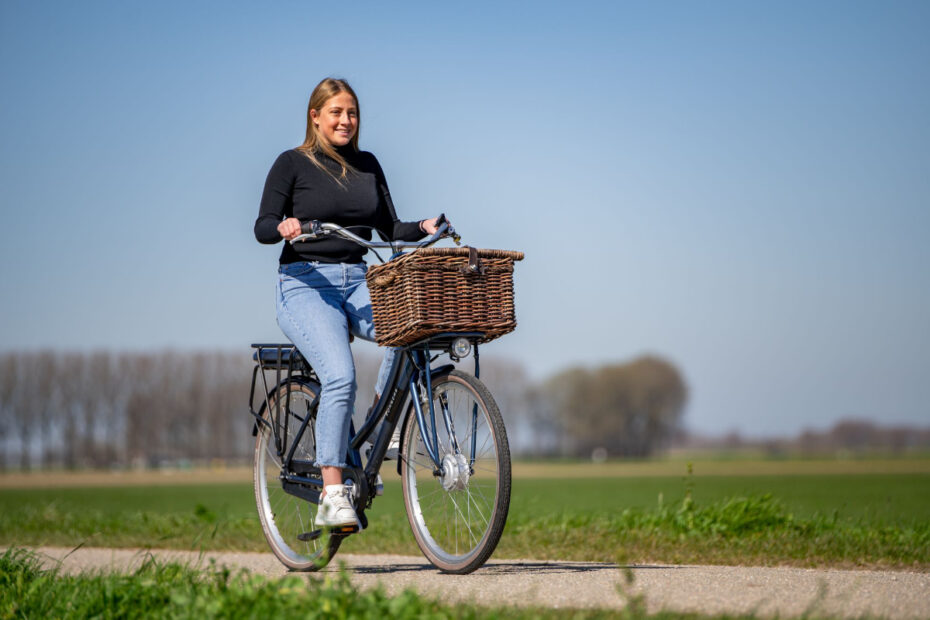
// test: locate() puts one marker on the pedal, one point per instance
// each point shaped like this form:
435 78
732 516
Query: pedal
342 530
345 530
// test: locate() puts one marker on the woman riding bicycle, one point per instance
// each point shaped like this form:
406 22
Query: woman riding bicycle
322 296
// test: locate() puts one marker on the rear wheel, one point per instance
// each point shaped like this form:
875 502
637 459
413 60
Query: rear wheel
457 517
283 516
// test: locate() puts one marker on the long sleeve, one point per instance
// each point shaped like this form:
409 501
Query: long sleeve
277 200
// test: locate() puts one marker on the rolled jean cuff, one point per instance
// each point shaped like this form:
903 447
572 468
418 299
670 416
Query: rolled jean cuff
319 464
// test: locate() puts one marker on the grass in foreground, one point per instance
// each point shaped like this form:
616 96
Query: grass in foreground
173 591
845 521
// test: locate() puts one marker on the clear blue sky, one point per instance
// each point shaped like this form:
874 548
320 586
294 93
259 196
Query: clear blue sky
741 187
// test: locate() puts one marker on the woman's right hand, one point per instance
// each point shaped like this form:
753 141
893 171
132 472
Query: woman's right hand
431 225
289 228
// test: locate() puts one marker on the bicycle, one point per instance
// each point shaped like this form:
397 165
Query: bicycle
453 459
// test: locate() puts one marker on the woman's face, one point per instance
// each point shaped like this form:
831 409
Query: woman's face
337 119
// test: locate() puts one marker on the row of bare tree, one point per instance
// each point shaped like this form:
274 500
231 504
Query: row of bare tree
103 409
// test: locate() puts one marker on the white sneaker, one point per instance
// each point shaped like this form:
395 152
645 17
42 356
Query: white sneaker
393 446
336 508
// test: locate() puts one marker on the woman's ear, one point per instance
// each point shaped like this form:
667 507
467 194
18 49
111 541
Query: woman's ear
314 116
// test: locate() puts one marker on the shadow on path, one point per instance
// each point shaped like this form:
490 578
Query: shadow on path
504 568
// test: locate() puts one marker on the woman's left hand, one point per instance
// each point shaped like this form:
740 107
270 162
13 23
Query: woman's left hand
430 226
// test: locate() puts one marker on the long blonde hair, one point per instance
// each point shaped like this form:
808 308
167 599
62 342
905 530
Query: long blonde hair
313 143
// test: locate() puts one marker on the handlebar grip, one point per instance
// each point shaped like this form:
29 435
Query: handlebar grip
311 228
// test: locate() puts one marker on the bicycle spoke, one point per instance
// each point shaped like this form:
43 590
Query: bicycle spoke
471 499
461 514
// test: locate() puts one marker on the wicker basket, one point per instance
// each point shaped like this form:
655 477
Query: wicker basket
436 290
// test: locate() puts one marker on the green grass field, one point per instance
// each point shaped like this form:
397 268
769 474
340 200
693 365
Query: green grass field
855 519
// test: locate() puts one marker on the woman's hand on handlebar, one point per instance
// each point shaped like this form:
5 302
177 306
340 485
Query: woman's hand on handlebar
289 228
295 232
431 225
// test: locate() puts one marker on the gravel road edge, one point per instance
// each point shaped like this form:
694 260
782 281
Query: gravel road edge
765 591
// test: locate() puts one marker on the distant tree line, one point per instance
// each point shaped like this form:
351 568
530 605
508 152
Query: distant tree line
847 436
105 409
629 410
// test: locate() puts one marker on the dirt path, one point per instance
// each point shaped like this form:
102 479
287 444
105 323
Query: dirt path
786 592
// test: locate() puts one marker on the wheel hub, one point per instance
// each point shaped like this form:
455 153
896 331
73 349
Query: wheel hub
455 472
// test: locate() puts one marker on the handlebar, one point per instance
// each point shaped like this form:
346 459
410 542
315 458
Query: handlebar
314 229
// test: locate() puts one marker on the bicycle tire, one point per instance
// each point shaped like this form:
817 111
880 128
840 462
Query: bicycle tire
284 516
457 520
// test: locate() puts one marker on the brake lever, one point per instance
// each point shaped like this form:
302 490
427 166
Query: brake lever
450 232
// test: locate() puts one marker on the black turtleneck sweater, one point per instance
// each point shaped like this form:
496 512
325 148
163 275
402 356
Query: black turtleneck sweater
296 187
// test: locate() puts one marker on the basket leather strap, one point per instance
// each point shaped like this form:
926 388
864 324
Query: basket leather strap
474 263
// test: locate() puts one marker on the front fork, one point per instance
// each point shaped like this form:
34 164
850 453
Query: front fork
420 380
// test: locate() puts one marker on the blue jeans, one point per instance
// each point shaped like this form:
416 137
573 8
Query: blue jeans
319 304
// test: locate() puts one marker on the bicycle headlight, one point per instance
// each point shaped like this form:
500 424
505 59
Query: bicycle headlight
461 348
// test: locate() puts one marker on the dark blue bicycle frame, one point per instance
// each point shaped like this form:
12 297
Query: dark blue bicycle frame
410 371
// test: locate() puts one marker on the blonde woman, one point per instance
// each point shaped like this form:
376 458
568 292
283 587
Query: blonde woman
322 296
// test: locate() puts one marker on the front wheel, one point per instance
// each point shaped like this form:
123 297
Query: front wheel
458 513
